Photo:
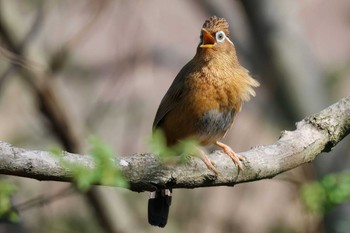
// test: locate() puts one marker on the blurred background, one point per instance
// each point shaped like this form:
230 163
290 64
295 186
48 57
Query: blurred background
71 69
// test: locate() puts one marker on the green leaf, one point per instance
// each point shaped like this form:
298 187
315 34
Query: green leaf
323 195
105 171
7 189
181 150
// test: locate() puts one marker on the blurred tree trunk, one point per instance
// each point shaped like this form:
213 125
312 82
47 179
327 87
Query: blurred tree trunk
286 60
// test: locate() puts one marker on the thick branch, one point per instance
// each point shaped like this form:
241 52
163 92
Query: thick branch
313 135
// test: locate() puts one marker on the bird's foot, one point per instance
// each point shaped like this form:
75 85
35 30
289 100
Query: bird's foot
210 164
236 158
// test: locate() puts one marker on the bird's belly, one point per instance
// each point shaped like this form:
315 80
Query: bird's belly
206 128
213 125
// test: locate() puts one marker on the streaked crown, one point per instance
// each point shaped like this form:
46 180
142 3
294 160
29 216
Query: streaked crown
215 24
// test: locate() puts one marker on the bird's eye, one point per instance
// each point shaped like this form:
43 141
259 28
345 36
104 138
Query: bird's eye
220 36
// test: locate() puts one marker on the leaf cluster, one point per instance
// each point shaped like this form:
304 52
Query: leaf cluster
104 172
180 150
323 195
7 189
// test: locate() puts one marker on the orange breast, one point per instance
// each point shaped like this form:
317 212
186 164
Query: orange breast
205 112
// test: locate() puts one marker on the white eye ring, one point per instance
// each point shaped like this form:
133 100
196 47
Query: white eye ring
220 36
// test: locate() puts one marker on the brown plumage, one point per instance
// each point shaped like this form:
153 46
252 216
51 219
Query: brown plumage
208 92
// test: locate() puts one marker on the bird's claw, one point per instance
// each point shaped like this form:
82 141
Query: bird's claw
236 158
210 164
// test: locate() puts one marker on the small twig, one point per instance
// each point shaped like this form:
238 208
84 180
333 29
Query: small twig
17 51
44 200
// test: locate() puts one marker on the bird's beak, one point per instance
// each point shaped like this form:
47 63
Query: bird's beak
208 40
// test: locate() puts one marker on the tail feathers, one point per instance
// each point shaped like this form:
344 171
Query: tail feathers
158 207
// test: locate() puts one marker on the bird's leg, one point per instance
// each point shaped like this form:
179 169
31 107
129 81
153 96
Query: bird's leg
236 158
210 164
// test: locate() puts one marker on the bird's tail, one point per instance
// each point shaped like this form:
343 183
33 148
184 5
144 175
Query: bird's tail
158 207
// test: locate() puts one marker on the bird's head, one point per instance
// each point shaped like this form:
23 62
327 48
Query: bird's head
215 35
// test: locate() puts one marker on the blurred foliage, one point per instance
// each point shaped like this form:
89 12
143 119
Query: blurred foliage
7 189
323 195
343 225
181 150
105 171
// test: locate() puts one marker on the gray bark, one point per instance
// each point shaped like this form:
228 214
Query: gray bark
144 172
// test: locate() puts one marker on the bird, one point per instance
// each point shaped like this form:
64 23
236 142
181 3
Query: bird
202 103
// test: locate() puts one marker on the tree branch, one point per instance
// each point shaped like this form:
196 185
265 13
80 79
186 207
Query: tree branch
313 135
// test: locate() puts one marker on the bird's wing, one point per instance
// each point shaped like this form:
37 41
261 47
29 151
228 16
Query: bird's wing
173 96
169 101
